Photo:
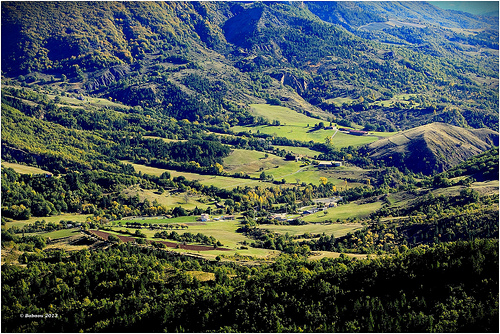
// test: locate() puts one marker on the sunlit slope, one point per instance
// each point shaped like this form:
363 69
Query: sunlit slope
433 147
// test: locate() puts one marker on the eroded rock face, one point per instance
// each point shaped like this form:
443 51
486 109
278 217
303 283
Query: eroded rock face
298 84
106 77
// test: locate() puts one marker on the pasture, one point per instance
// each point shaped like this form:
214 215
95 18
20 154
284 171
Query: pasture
166 140
296 172
341 212
338 230
207 180
224 231
75 217
297 126
23 169
301 151
186 200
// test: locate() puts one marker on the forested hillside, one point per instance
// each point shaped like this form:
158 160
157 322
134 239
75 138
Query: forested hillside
248 167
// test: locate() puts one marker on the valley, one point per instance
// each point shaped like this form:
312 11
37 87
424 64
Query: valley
249 167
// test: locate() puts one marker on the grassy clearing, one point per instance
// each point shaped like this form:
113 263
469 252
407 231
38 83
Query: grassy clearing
338 230
201 276
311 174
23 169
224 231
167 140
282 114
351 210
60 233
486 188
187 201
10 255
301 151
249 161
207 180
56 219
339 101
304 133
297 126
333 255
175 220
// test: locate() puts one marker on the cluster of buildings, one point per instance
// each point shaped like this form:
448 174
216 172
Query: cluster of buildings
354 132
329 164
205 217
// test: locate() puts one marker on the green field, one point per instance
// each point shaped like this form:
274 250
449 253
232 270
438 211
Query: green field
56 219
338 230
254 162
207 180
351 210
301 151
402 98
339 101
284 115
167 140
186 200
224 231
300 127
23 169
59 233
297 172
291 171
74 101
250 161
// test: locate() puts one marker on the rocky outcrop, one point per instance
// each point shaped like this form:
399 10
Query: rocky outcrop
106 77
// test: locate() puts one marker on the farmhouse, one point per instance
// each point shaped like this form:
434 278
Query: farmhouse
279 216
205 217
358 132
329 164
310 211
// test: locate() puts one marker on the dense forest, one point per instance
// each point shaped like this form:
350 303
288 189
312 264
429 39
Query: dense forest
248 167
446 288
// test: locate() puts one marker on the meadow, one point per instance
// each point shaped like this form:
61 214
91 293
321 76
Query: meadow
224 231
297 126
341 212
338 230
254 163
207 180
75 217
301 151
23 169
186 200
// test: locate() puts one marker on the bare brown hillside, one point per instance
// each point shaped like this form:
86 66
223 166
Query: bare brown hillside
433 147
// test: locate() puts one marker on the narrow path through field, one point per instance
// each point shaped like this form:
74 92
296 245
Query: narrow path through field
298 171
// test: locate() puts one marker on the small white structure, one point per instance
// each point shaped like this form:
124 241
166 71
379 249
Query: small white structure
205 217
279 216
329 164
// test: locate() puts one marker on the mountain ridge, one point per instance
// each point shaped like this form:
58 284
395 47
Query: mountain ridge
432 147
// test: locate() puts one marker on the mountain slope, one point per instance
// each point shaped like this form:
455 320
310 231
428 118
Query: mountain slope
146 54
432 147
